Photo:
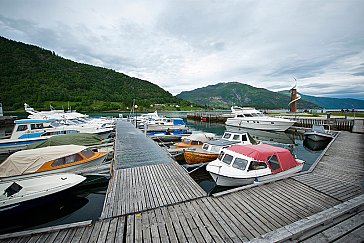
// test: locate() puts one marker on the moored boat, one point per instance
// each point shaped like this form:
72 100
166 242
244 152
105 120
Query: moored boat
249 117
20 194
240 165
194 140
54 159
210 150
318 133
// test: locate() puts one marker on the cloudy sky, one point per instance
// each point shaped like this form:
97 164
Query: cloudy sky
183 45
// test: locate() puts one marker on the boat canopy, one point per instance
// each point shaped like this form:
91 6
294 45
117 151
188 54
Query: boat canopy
264 152
85 139
202 137
29 161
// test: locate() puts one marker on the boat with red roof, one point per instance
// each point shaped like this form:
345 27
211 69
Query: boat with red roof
240 165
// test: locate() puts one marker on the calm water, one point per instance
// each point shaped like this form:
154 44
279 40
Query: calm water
86 203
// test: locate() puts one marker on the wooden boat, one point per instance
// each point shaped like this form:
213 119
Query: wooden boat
192 141
210 150
240 165
19 195
198 156
54 159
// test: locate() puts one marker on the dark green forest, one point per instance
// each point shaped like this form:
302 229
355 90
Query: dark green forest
39 77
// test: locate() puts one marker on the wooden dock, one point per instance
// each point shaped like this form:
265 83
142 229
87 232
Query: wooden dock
160 203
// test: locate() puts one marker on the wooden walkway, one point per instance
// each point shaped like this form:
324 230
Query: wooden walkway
324 205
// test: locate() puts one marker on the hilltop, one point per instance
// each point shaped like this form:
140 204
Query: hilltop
39 77
223 95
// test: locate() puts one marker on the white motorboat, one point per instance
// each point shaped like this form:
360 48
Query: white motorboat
48 160
249 117
240 165
318 133
70 117
19 195
27 131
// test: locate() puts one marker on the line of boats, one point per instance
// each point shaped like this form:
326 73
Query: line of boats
238 158
58 151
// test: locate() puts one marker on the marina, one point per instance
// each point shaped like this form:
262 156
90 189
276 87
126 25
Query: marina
158 201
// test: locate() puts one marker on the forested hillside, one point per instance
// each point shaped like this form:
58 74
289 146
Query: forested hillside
29 74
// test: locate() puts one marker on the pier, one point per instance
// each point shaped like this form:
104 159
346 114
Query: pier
150 198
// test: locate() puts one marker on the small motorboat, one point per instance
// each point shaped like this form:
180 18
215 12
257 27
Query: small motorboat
240 165
46 160
318 133
192 141
18 195
210 150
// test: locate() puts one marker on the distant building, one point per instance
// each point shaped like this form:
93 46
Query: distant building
1 110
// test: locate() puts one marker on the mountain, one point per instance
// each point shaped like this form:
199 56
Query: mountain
223 95
29 74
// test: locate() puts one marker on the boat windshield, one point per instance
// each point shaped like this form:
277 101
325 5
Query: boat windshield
227 159
227 135
240 163
205 147
87 153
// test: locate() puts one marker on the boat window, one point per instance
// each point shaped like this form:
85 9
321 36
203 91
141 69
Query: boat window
240 163
87 153
227 159
221 155
22 128
244 138
194 143
36 126
58 162
227 135
187 140
72 158
205 146
248 115
66 160
215 148
236 137
273 162
256 165
240 116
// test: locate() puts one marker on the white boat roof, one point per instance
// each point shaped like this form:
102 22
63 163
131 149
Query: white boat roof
29 161
202 137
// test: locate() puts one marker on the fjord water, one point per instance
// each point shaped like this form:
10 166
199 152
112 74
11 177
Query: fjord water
86 203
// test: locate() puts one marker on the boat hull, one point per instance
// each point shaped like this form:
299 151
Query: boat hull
317 137
195 157
8 146
267 125
35 192
222 180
